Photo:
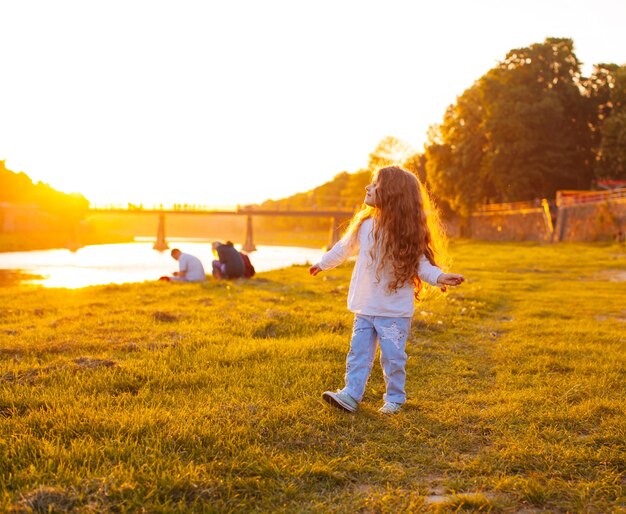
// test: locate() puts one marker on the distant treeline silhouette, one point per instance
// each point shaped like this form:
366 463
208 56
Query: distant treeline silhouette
530 126
35 216
19 189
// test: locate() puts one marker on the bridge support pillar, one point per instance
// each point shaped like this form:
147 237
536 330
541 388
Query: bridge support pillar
334 234
248 245
161 244
73 240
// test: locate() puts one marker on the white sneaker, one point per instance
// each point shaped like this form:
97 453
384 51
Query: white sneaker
390 408
342 401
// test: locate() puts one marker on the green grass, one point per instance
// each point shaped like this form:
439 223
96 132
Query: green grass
206 398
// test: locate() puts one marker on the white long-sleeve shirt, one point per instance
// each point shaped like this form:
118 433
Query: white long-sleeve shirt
367 294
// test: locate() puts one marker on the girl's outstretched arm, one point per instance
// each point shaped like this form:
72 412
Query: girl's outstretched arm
344 248
435 277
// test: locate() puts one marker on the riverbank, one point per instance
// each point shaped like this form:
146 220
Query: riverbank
185 398
15 277
30 241
44 241
134 262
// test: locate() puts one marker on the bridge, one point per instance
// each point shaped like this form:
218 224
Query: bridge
336 216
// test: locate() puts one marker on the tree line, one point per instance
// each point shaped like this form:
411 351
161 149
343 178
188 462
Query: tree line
34 215
19 190
528 127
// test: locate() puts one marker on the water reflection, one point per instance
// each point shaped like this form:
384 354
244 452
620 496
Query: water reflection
130 262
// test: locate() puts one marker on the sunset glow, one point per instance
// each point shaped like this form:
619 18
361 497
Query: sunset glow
223 103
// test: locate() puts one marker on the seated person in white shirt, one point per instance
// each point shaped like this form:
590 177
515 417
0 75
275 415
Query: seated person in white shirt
190 268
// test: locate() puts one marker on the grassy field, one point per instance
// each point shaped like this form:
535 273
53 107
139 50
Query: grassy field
159 397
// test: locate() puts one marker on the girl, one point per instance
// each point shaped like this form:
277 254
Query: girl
395 253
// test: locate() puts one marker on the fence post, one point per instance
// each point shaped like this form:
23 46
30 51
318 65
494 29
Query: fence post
547 218
558 231
561 219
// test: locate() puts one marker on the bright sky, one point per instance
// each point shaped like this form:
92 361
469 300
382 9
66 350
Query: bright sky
226 102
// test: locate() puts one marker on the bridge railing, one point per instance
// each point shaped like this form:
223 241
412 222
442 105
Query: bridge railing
202 209
181 207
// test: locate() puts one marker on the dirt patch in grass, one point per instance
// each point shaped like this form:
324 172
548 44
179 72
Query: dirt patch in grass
617 317
10 409
158 346
165 317
11 353
29 376
610 275
47 499
89 363
457 502
65 320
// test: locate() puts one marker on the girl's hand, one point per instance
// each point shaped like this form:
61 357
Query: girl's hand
449 279
315 269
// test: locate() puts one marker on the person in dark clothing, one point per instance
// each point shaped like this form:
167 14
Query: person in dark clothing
229 263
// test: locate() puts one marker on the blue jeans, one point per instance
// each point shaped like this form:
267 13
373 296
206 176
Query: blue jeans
391 334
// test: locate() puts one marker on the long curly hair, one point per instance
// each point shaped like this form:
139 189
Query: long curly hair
404 218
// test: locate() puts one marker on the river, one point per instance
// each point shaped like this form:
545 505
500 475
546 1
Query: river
134 262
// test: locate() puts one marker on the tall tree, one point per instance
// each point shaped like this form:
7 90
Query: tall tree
522 131
391 151
454 157
416 164
537 123
598 89
611 162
